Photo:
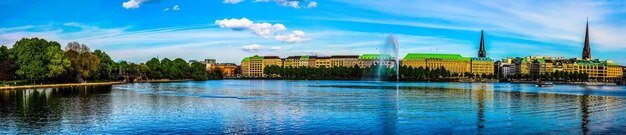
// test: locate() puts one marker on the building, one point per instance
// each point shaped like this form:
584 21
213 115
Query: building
322 62
623 71
598 70
367 60
507 67
227 69
344 60
481 65
252 66
272 60
300 61
454 63
208 63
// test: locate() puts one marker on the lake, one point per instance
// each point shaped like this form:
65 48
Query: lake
315 107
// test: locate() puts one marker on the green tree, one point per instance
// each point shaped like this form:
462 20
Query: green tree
105 65
198 72
166 64
179 69
82 60
154 66
37 59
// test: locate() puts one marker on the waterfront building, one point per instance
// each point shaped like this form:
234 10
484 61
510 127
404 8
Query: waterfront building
208 63
252 66
482 64
596 69
300 61
454 63
367 60
507 67
272 60
228 69
322 62
344 60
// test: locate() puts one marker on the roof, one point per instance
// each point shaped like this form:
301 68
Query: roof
271 57
304 57
375 56
345 56
422 56
596 63
255 57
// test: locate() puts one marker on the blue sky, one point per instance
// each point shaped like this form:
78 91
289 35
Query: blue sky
228 30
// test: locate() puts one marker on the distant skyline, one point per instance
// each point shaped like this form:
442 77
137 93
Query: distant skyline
228 30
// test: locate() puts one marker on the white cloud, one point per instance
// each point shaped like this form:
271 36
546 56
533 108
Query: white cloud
175 8
262 29
312 5
291 3
235 24
232 1
166 9
252 48
276 48
130 4
295 36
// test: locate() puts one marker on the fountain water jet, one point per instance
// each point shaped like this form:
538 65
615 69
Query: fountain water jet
391 46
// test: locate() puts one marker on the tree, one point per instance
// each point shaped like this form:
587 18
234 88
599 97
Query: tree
154 66
82 60
179 69
166 64
198 72
37 58
105 66
7 71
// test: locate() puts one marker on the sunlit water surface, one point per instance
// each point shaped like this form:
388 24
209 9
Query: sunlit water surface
315 107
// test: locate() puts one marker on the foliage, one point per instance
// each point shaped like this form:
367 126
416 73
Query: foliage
154 66
7 71
105 67
198 72
37 59
82 60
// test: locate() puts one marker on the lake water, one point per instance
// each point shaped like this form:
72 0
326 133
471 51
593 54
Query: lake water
315 107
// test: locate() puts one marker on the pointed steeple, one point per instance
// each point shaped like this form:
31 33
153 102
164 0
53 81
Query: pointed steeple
481 52
587 49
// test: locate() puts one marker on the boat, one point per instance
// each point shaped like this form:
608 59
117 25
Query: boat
544 84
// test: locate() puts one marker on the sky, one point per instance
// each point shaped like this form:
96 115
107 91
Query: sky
228 30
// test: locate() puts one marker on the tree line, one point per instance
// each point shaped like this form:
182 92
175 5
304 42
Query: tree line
40 61
553 76
368 73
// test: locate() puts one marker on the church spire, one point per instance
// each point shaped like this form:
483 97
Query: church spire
481 52
587 49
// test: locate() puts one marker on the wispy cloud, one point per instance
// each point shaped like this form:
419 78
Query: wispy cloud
546 21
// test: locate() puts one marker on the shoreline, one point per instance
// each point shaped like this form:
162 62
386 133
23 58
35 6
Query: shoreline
187 80
58 85
86 84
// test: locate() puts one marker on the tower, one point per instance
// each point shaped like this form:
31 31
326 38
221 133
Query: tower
587 49
481 52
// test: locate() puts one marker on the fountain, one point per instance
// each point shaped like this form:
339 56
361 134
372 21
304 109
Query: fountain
391 46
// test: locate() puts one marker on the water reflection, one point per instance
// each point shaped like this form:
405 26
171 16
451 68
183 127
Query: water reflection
305 107
50 110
